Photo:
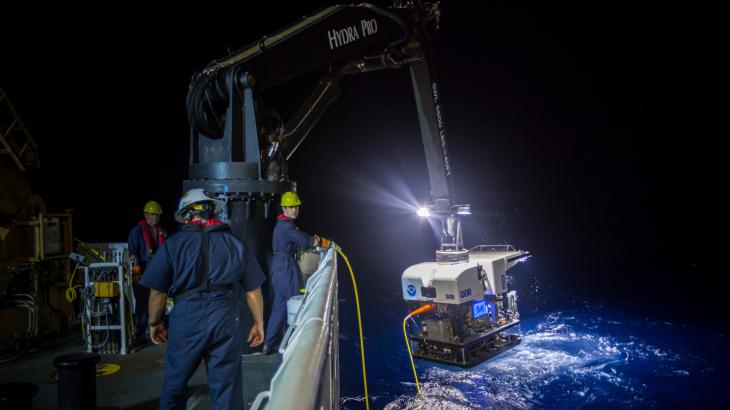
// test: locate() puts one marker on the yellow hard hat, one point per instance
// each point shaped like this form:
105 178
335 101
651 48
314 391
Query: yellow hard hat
290 199
152 207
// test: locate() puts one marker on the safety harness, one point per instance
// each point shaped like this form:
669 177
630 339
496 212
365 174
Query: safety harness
151 248
202 268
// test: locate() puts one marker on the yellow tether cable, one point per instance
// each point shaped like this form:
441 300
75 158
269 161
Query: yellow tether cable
418 311
359 324
71 291
90 249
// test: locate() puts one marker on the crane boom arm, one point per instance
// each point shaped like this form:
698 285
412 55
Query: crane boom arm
348 40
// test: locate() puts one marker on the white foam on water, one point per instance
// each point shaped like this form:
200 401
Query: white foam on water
558 360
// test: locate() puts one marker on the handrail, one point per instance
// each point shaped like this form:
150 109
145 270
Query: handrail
310 349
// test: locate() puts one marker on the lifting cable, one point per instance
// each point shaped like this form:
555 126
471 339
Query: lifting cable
424 308
359 323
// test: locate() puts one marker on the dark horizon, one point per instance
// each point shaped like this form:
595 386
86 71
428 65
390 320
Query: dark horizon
584 134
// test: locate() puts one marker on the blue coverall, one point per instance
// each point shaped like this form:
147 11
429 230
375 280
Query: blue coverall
138 248
204 324
286 276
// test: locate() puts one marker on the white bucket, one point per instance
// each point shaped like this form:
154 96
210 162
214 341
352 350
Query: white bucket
292 307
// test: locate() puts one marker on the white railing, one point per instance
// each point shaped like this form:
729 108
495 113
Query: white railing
308 377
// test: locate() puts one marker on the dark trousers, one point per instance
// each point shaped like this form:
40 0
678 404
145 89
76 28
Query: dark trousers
142 300
287 282
205 325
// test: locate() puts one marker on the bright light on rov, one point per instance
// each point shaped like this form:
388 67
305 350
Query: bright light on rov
463 210
423 212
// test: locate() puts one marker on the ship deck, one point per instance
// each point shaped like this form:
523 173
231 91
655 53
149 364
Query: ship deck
311 353
138 382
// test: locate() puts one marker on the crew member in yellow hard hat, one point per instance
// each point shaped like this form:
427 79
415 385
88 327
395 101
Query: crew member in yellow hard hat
286 276
144 239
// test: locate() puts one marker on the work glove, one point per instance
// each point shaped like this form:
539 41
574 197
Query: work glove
136 269
324 243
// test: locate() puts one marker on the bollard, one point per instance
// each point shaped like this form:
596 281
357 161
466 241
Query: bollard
77 381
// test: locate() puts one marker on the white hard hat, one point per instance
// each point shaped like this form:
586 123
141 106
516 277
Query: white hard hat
195 196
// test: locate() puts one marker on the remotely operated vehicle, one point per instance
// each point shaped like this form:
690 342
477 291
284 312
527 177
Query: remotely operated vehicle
239 155
467 304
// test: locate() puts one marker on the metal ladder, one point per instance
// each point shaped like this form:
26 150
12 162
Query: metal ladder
15 140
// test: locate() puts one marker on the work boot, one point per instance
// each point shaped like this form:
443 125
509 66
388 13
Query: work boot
268 349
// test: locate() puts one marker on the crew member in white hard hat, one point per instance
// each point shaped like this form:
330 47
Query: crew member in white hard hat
206 270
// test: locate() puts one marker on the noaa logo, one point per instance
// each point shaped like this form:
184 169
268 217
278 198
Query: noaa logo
411 290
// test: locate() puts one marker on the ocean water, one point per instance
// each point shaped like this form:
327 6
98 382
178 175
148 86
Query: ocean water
583 355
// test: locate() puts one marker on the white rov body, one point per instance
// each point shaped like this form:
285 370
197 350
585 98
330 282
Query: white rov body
455 283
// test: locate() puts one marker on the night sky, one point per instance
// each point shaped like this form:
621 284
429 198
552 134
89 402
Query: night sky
585 133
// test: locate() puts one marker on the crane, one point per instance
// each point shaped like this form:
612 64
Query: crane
232 158
244 163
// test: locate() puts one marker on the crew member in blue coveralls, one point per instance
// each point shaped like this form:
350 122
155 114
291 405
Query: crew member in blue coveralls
144 239
286 276
205 269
